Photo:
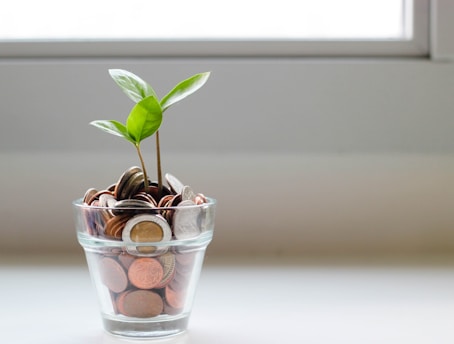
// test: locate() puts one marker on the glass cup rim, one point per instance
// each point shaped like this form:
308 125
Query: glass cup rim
79 204
89 240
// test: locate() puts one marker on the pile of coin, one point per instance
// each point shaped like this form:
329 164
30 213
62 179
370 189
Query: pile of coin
144 287
145 280
132 213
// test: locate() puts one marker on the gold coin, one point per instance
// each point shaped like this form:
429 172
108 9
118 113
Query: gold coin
146 228
146 231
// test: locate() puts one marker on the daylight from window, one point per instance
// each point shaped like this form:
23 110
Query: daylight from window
203 19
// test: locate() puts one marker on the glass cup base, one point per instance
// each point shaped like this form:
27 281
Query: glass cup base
145 328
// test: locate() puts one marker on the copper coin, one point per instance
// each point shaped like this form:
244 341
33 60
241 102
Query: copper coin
143 196
200 199
179 282
111 188
140 304
133 185
118 193
164 200
94 197
91 221
153 190
118 307
99 219
115 225
89 195
168 214
175 200
170 310
113 276
165 203
126 259
145 273
174 299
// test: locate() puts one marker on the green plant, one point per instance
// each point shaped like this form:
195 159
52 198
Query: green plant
146 116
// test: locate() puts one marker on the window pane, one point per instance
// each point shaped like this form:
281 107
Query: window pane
203 19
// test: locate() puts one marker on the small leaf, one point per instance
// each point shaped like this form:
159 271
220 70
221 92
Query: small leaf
134 87
113 127
184 89
144 119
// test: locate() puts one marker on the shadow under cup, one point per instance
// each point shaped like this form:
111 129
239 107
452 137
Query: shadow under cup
146 279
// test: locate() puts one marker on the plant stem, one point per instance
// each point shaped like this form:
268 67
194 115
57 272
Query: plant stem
145 176
158 160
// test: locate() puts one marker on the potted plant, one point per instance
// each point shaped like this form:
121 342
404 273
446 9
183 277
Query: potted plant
145 240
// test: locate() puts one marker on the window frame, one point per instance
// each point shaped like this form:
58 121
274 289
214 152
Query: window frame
416 46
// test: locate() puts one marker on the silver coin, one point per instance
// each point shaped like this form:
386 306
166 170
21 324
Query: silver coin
186 220
168 263
146 228
175 185
107 200
187 193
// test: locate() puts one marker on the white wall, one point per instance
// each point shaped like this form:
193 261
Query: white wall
303 155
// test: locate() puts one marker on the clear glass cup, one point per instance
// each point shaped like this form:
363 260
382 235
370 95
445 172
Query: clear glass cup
145 277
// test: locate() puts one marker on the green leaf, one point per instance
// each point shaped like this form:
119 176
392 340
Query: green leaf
144 119
134 87
184 89
113 127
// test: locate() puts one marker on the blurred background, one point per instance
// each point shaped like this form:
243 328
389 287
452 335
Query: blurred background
327 132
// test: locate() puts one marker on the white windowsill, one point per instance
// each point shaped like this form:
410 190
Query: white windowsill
290 300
